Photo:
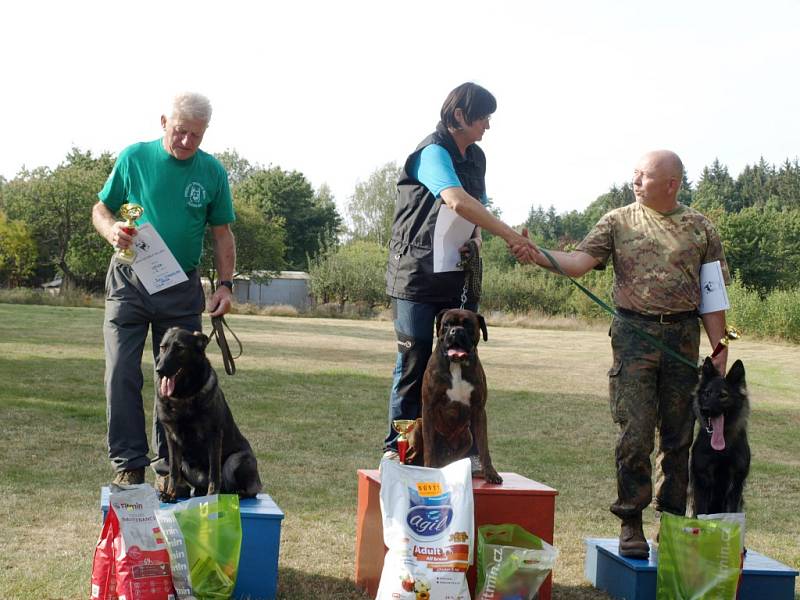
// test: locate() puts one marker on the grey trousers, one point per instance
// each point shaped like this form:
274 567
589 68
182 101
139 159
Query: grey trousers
129 313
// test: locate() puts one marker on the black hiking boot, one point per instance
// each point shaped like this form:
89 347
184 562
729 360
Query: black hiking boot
632 543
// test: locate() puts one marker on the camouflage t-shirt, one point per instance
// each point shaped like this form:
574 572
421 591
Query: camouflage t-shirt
656 256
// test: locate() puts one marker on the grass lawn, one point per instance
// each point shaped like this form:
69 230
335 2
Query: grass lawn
311 395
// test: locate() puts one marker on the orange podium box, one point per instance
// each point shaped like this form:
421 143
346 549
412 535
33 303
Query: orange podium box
518 500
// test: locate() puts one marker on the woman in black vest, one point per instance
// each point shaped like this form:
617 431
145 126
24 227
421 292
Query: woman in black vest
445 173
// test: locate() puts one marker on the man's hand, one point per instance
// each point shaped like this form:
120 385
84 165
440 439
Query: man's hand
720 361
120 235
522 247
221 302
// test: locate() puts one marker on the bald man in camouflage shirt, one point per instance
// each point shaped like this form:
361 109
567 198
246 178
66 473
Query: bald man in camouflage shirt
657 247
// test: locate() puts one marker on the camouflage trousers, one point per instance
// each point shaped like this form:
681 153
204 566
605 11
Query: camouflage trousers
650 392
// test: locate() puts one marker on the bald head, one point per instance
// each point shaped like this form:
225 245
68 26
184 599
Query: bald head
657 179
667 161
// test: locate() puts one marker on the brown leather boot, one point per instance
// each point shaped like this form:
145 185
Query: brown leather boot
632 543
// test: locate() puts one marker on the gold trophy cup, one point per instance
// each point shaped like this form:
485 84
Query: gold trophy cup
403 427
731 333
130 212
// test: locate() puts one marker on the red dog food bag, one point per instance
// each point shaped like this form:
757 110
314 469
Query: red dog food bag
140 566
428 528
104 582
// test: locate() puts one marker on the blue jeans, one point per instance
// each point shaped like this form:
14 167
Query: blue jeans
413 326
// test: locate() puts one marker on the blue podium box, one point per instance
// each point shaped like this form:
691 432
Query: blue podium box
258 561
635 579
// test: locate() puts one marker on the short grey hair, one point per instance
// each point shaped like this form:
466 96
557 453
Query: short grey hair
191 105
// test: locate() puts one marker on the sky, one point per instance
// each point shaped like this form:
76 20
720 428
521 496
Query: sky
337 89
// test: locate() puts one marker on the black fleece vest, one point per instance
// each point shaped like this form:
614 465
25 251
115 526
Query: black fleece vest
409 274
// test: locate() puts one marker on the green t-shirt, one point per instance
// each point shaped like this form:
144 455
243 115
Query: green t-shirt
179 197
656 256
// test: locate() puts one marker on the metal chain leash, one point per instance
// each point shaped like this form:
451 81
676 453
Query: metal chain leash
472 265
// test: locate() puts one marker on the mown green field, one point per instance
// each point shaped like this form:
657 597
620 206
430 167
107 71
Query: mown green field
311 396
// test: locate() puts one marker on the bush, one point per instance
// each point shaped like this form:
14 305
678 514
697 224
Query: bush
776 315
524 289
354 273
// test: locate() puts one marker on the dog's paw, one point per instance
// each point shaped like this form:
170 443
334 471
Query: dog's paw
168 497
491 475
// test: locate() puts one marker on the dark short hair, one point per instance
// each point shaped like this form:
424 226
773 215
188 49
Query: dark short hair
473 100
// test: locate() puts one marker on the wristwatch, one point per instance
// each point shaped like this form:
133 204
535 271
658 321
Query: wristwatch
228 284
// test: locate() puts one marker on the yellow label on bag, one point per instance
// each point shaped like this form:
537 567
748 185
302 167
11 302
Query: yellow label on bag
429 488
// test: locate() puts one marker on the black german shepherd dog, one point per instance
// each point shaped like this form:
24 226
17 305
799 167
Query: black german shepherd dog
206 448
720 453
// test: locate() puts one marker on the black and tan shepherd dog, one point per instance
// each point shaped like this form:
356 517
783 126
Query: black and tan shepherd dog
720 454
206 448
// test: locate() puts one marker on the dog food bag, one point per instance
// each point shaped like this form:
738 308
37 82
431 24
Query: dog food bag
698 559
735 517
512 562
104 578
131 561
204 537
428 528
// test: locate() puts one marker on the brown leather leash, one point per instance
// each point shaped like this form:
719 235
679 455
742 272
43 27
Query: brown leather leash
218 325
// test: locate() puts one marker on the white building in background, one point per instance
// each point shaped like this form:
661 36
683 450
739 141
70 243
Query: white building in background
289 288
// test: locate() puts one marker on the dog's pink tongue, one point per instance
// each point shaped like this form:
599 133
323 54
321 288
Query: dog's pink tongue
167 386
456 353
718 435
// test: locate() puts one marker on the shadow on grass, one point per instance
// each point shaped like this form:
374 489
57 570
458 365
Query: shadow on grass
575 592
294 584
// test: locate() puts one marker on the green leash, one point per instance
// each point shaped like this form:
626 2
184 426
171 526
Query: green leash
638 331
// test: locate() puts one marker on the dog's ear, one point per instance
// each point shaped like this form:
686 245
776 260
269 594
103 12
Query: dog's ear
482 323
202 339
439 321
709 370
735 376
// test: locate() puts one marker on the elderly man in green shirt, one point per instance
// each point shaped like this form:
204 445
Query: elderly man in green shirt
182 190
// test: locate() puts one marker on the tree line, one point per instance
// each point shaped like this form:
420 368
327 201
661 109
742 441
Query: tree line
284 223
46 230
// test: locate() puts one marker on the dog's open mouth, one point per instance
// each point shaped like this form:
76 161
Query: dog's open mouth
167 384
716 427
457 354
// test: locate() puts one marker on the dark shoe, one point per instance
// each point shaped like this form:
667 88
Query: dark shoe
632 543
131 477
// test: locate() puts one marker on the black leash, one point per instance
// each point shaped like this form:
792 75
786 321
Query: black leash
472 264
218 325
638 331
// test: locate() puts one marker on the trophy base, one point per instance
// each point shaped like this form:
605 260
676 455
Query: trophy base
125 258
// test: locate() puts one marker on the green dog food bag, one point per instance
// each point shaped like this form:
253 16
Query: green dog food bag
204 538
698 559
512 562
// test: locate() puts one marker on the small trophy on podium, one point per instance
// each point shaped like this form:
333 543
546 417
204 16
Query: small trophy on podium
130 212
403 427
731 333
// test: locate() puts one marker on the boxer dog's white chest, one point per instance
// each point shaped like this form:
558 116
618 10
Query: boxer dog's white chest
460 389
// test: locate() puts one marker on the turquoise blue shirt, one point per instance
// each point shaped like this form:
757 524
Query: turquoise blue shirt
434 169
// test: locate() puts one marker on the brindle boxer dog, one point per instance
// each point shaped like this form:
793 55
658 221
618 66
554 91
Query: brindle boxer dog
206 448
454 396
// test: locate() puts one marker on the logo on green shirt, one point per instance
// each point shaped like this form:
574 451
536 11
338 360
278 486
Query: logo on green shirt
195 195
